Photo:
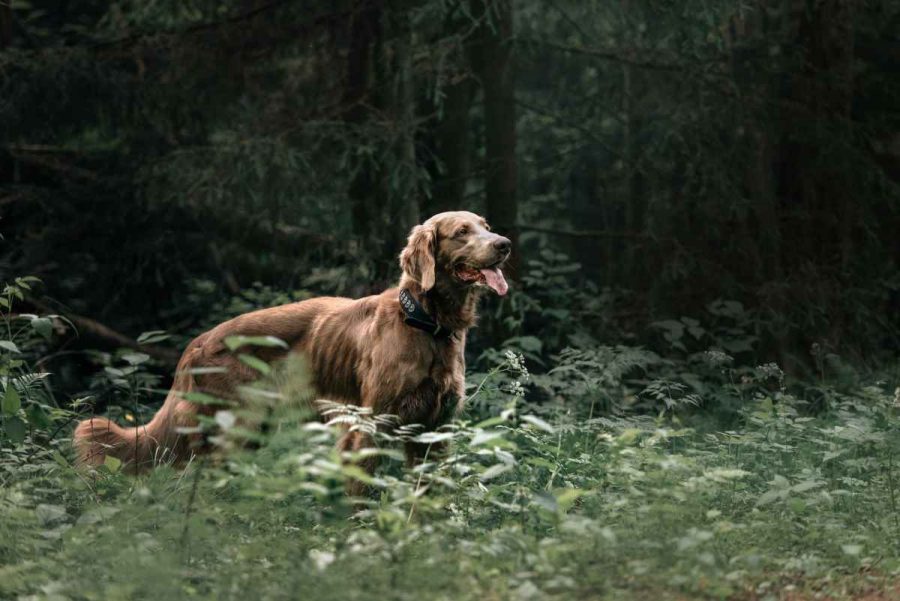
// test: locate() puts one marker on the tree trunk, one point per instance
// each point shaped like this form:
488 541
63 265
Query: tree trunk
492 63
452 148
403 197
365 34
6 22
448 138
636 208
814 183
821 90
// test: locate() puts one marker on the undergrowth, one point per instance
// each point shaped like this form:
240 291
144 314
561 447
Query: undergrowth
602 476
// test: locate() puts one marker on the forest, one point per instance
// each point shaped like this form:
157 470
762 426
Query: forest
690 391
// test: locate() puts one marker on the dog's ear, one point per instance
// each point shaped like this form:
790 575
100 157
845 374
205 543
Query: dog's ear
417 259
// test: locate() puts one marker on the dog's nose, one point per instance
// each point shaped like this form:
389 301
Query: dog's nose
503 244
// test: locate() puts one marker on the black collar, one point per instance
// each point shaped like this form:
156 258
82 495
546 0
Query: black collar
417 317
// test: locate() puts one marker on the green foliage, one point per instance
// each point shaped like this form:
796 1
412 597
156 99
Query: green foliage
610 484
27 404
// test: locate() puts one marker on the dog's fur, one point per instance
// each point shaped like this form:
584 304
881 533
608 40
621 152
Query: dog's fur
359 351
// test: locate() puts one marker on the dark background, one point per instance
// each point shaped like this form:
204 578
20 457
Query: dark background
674 173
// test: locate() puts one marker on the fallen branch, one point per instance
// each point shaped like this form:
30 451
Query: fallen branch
86 325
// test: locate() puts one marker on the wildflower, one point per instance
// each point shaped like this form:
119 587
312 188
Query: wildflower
770 370
717 358
516 362
516 388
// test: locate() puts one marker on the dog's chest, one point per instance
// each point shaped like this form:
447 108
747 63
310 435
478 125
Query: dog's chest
448 373
448 367
434 399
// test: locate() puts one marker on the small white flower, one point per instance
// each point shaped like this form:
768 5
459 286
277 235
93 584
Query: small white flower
321 559
717 358
770 370
225 419
516 388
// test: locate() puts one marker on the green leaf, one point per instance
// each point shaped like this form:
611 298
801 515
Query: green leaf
96 515
9 345
357 473
37 417
807 485
47 514
43 326
60 459
540 462
15 429
566 497
529 344
675 328
11 401
771 496
494 471
628 436
491 421
538 423
152 337
486 436
432 437
739 345
135 358
112 463
256 363
852 549
236 342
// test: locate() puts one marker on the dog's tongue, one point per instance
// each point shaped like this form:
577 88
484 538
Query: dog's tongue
494 278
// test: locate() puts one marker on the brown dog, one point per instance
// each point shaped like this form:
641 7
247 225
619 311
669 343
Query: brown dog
399 352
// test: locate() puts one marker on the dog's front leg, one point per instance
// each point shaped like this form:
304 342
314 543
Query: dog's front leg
352 442
418 453
431 410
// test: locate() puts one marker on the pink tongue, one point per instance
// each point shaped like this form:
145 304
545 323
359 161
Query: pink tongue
494 278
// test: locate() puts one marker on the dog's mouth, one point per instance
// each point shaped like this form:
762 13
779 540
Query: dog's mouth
490 276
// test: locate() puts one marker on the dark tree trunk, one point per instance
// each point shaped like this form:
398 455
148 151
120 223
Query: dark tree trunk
383 192
6 23
636 208
815 188
365 34
820 91
451 138
493 64
403 199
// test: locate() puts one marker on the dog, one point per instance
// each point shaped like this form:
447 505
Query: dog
400 352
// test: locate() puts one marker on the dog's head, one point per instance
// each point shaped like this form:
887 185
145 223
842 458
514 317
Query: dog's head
456 249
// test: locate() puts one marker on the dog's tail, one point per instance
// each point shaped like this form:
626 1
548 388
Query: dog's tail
141 447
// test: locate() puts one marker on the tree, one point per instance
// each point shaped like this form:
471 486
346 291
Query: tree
492 62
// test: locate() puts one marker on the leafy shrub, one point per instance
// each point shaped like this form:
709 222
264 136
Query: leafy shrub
609 473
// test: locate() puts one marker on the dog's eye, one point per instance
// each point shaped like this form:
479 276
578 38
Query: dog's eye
461 232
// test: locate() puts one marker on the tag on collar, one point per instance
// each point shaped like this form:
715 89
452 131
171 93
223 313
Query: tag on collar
417 317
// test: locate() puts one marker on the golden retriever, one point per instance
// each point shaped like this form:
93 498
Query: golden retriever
400 352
